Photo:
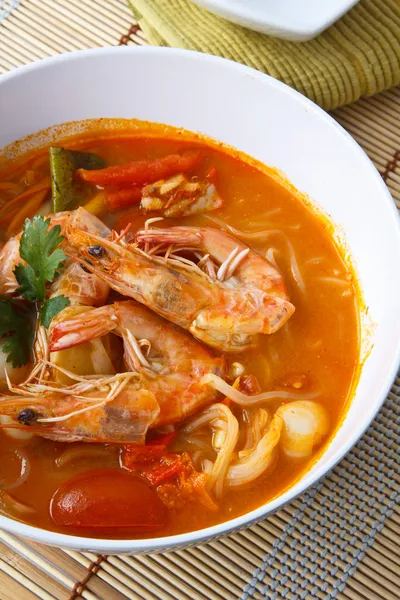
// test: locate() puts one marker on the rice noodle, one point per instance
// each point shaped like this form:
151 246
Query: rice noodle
270 256
216 415
255 421
294 267
243 399
251 235
256 462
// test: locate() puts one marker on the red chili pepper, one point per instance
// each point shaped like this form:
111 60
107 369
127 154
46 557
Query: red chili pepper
124 198
163 472
165 439
142 171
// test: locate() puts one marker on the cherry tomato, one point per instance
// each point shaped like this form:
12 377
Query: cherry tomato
107 499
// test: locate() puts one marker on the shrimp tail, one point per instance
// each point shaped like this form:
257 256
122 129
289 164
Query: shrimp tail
82 328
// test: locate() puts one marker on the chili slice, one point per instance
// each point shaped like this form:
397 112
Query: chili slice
142 171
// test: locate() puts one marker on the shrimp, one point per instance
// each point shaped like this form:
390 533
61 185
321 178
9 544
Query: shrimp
179 196
171 364
73 282
108 409
305 424
161 387
240 295
9 258
81 287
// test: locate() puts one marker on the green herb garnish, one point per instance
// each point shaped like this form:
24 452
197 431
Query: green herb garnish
16 325
39 248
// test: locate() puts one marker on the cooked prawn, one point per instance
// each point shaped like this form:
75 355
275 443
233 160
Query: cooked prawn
80 286
238 295
101 409
75 283
169 362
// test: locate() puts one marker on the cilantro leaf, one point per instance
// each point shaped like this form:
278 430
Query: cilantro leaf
18 329
18 348
39 248
52 307
27 280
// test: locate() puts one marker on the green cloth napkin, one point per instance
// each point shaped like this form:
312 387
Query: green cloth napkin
357 56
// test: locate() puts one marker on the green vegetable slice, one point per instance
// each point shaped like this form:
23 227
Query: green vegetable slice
67 192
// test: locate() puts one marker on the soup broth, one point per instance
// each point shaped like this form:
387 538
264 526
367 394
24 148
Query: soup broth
313 356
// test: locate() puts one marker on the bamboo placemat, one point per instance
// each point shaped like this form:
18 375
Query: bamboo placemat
341 539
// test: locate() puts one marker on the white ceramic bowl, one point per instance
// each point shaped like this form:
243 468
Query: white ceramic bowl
287 19
276 125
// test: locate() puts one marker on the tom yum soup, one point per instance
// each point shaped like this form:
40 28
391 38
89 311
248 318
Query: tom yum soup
179 333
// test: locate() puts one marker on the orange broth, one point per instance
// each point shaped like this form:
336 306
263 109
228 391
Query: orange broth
317 350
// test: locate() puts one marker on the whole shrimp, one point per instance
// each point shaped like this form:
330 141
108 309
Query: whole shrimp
79 286
224 300
161 386
172 365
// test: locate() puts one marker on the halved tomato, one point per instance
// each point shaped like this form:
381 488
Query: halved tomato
107 499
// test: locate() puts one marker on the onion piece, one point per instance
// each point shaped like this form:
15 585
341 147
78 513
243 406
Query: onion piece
24 473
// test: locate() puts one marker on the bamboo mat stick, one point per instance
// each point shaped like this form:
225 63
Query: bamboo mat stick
24 581
42 563
104 574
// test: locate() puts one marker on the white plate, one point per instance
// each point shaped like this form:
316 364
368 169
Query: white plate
278 126
296 20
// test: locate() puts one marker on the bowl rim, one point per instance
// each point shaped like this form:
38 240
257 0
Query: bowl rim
195 537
